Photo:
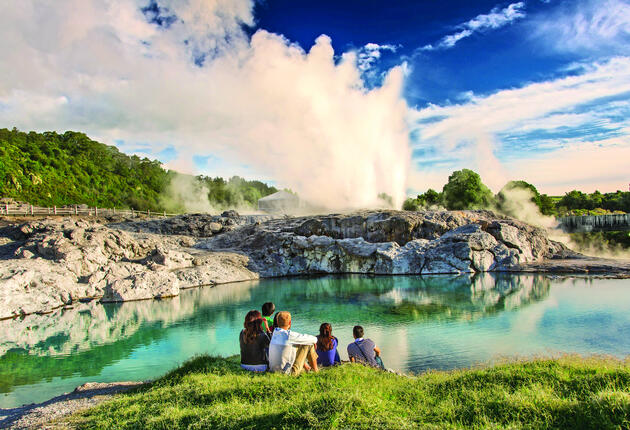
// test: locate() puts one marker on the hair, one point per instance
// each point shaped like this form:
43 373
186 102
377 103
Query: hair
325 338
357 331
283 318
268 309
252 326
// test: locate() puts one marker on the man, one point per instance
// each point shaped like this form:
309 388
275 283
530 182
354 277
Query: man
363 350
288 350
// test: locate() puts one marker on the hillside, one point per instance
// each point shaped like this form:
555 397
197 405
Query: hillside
51 169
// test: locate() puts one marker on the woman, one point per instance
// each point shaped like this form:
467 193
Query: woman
254 343
327 354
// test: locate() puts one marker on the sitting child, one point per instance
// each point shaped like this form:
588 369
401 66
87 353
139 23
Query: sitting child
327 354
267 311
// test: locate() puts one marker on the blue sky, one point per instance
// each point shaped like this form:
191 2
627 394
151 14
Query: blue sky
348 98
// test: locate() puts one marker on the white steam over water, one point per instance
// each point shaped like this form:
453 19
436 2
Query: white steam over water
301 118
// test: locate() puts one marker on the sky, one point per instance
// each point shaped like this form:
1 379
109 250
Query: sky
338 101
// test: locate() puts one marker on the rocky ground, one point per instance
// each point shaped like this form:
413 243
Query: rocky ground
44 415
49 263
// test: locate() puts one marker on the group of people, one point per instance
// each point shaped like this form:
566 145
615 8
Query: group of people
268 343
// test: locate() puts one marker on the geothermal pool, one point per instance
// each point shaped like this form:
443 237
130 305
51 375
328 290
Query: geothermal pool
429 322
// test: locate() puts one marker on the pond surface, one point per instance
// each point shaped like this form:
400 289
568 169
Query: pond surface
429 322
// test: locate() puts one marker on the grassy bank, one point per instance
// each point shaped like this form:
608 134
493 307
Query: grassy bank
209 392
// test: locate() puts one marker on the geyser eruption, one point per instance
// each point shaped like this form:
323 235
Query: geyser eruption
309 123
260 106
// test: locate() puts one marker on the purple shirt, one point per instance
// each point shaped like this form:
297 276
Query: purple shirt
328 358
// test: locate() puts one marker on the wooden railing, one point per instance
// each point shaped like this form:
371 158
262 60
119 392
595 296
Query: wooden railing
30 210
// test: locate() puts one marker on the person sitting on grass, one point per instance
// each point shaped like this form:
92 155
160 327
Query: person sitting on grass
327 354
254 342
364 350
288 350
267 312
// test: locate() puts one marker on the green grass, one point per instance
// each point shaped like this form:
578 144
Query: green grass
208 392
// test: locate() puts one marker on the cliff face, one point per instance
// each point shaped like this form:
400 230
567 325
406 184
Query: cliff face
51 263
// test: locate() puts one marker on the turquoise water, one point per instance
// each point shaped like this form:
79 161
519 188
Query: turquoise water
430 322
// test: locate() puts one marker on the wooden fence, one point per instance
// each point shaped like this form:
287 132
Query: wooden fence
30 210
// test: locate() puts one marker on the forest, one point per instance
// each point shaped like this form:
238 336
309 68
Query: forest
52 169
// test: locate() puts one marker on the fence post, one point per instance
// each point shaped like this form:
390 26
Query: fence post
31 210
148 212
164 213
96 211
132 214
76 210
55 210
6 209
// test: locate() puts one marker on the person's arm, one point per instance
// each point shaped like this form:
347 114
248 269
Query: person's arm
265 325
301 339
377 351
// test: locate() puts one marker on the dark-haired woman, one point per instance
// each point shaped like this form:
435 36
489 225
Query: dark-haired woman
327 354
253 343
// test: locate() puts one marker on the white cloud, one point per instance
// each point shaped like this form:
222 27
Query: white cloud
302 118
497 18
585 26
471 131
370 53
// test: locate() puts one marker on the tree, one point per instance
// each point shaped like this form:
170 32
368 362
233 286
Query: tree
465 190
430 198
410 205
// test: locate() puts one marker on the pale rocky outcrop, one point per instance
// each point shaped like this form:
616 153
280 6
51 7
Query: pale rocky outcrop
388 242
52 263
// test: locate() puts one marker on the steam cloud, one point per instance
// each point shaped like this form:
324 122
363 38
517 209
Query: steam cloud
304 119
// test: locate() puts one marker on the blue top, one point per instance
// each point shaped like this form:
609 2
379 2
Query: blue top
328 358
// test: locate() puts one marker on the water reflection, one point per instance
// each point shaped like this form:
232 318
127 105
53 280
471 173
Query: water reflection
421 322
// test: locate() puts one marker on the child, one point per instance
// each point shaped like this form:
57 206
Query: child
267 311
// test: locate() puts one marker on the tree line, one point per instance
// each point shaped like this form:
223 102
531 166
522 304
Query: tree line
52 169
465 190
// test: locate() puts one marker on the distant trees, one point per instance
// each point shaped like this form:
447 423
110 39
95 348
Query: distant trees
465 190
51 169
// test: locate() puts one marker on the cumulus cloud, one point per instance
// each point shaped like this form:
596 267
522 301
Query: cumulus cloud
184 74
585 25
475 131
497 18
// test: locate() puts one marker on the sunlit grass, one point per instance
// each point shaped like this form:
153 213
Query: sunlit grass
209 392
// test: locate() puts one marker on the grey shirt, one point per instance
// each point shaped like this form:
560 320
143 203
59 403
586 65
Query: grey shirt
362 350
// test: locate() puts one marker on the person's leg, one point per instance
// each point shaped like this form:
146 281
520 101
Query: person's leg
312 358
300 358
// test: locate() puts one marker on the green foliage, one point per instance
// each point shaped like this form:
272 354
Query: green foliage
410 205
208 392
465 190
578 201
50 169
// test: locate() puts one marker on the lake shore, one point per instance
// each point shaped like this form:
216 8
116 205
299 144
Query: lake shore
51 263
563 392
